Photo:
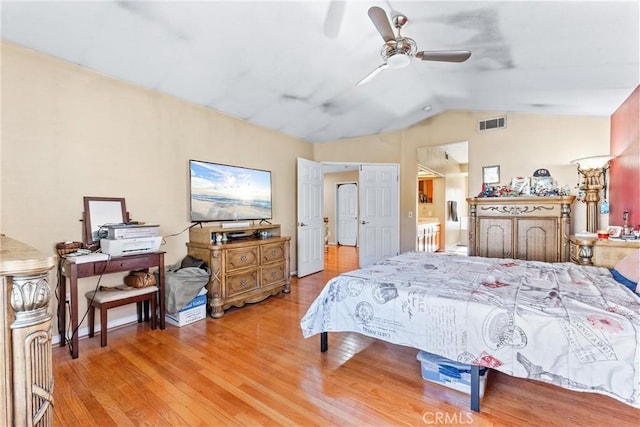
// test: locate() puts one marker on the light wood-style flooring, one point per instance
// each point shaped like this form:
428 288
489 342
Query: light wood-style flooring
253 368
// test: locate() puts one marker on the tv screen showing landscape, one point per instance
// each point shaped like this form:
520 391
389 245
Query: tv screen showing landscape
227 193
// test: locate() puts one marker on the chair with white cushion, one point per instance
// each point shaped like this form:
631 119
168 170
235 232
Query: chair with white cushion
107 298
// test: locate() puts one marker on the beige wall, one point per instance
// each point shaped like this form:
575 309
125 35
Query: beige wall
530 142
68 132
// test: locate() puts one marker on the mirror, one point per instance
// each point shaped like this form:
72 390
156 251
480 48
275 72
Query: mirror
446 166
101 211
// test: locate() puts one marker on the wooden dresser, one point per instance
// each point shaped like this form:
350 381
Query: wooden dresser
531 228
26 384
243 270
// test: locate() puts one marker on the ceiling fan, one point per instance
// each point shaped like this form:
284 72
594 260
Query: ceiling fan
398 51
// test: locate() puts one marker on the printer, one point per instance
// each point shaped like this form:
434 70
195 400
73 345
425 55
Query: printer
131 231
132 246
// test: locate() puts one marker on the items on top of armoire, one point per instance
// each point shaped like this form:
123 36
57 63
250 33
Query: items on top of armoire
541 184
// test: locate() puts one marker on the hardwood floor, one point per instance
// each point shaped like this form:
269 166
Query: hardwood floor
252 367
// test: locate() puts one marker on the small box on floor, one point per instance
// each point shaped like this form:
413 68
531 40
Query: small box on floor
452 374
192 312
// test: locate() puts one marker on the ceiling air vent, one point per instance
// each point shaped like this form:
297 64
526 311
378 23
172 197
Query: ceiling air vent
490 124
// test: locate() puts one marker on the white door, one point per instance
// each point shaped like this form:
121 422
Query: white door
347 215
379 231
310 217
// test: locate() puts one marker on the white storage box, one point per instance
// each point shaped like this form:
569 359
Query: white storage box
192 312
452 374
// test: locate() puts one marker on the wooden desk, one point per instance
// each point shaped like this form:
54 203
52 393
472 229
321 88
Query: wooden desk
73 272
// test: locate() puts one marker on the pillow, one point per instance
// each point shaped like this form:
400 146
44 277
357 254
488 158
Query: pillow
624 281
629 268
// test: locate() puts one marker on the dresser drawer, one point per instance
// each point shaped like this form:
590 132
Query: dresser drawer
272 274
272 252
241 258
241 282
121 264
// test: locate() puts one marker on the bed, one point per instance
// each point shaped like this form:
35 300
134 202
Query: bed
570 325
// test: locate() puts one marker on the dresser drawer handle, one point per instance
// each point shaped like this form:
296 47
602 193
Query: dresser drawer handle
274 252
243 258
243 282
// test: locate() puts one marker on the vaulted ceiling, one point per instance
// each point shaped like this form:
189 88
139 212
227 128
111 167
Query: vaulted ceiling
292 66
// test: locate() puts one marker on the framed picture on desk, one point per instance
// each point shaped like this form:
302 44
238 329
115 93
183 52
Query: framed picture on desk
614 231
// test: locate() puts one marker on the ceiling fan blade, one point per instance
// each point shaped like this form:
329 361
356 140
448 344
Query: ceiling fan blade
371 75
333 20
444 55
379 18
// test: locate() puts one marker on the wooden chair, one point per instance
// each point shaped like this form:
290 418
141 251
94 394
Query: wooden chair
103 300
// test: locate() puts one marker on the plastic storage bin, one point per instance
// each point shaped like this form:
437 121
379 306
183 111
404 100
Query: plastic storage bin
452 374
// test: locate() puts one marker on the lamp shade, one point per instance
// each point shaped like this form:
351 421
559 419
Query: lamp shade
594 162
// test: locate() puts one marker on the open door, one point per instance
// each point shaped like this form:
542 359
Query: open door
379 232
310 226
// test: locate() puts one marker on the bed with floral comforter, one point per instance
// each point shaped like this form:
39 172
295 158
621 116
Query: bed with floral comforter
569 325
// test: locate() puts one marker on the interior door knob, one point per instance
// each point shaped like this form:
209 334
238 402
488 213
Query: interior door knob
364 222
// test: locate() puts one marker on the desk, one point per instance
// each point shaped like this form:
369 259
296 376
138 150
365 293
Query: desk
73 272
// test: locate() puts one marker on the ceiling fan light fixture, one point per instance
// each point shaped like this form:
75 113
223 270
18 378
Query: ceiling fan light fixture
398 60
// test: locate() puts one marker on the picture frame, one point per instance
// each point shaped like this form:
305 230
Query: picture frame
614 231
520 185
491 174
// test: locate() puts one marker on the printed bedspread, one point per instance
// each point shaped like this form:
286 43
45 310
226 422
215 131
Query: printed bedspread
569 325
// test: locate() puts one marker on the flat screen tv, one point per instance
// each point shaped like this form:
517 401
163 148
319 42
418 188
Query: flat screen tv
228 193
